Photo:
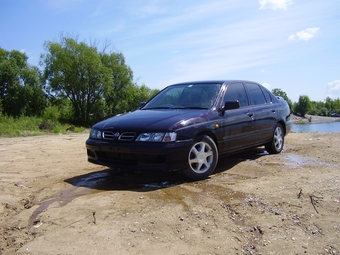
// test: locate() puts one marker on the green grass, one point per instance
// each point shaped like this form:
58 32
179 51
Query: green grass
29 126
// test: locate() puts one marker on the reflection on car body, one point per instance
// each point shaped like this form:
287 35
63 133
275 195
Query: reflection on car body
187 126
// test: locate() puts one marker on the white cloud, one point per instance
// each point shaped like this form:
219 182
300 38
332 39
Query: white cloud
97 12
274 4
305 35
25 52
333 89
291 37
218 51
151 9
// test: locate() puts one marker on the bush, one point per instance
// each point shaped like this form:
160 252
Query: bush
52 114
30 126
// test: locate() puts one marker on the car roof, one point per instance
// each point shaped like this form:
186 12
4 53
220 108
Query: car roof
213 82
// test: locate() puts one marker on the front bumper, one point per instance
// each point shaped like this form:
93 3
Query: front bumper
139 155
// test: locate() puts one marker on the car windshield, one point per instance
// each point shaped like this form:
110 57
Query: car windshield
186 96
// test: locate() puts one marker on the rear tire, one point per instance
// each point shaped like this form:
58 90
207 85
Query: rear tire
275 146
202 158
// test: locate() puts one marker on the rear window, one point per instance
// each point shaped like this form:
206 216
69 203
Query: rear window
267 96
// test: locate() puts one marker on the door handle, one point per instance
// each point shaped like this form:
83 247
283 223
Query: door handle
250 114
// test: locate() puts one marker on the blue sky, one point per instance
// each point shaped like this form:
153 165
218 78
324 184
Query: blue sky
293 45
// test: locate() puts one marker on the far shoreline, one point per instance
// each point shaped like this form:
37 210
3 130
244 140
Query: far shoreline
296 119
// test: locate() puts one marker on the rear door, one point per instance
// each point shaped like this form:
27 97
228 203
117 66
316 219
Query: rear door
265 114
237 124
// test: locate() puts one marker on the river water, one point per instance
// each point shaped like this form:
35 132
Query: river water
325 127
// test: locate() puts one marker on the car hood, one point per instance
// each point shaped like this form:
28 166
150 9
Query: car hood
154 120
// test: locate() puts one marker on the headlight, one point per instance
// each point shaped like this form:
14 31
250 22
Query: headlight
95 133
157 137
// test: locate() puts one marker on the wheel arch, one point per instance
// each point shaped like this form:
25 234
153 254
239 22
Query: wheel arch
283 125
210 134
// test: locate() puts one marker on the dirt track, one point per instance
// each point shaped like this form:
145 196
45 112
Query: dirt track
54 202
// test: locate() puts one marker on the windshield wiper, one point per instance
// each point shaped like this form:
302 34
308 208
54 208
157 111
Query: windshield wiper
158 107
193 107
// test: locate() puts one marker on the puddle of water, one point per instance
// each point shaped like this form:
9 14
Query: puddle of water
91 180
169 189
297 161
159 185
194 193
85 186
262 153
61 200
233 177
98 182
222 193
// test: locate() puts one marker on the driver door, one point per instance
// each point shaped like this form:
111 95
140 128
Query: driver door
238 124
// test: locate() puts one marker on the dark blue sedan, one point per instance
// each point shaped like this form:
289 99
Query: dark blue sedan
187 126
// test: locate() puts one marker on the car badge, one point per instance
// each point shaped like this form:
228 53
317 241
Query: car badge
116 134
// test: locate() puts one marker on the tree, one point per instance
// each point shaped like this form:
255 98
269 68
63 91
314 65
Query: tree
145 94
318 108
118 95
329 105
279 92
75 71
138 94
20 85
303 105
337 106
97 84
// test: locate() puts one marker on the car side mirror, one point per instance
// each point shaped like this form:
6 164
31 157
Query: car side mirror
230 105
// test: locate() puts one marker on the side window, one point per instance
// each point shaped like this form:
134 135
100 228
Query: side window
236 91
255 94
267 96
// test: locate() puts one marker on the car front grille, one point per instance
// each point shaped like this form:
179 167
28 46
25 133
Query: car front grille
125 136
108 135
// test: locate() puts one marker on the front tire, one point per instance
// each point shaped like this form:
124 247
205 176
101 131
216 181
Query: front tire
202 158
275 146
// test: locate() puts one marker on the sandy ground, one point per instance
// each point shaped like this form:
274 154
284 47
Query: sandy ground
54 202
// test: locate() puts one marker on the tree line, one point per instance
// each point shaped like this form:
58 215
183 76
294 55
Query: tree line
80 84
329 107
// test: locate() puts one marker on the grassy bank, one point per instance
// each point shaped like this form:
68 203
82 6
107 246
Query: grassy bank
31 126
